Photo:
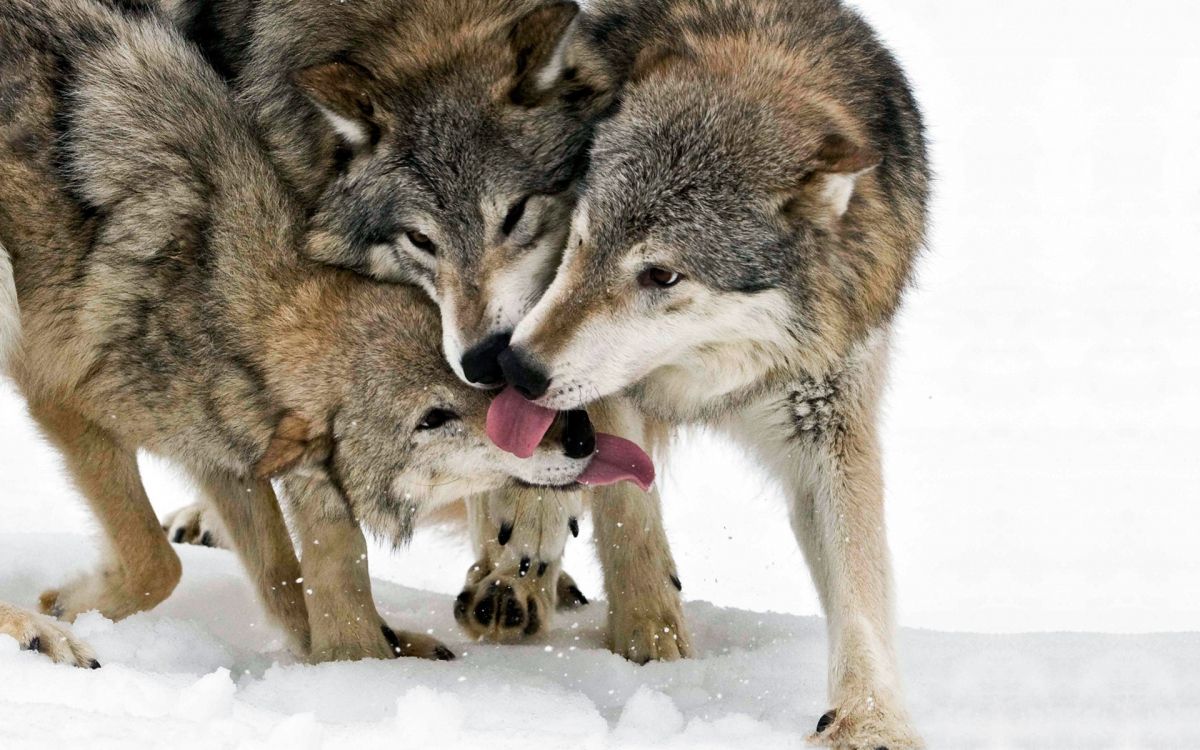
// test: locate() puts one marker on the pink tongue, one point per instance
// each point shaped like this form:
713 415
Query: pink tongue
616 459
518 425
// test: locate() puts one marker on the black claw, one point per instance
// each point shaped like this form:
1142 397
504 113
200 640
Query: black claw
524 570
206 539
178 538
577 596
505 534
824 722
392 639
573 525
677 583
93 664
35 644
444 654
542 568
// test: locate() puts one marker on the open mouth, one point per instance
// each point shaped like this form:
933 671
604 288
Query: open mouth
518 426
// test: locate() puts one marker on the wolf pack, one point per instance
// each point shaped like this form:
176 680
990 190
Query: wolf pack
361 266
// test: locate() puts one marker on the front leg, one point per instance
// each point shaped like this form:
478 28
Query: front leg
343 621
821 440
645 621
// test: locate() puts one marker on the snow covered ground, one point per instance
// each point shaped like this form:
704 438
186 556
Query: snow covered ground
1041 443
201 671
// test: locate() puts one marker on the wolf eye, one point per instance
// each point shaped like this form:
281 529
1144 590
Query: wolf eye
659 277
436 418
421 241
515 214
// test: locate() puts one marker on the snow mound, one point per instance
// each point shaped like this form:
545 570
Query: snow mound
204 670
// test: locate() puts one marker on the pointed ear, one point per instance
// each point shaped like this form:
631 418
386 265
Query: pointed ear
292 444
837 166
344 92
839 154
535 40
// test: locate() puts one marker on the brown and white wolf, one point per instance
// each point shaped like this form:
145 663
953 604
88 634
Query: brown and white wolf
165 304
747 230
434 142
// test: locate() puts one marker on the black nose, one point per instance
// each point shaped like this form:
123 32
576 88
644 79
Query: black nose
579 439
481 364
524 374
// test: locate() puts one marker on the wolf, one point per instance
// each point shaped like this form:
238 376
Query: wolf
166 303
436 143
745 235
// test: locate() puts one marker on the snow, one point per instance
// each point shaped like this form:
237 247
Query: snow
1040 443
203 671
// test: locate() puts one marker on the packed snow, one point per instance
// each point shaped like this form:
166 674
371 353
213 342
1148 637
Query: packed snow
1040 440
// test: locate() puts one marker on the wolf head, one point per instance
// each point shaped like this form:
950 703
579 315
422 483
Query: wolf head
447 149
384 418
732 226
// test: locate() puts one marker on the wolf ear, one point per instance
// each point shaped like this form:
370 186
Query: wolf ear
292 444
653 58
836 168
343 91
535 40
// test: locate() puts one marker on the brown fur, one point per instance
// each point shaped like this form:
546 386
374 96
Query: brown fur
167 306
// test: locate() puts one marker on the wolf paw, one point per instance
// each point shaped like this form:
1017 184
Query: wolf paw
40 633
416 645
112 593
863 725
194 524
377 642
507 606
101 591
643 634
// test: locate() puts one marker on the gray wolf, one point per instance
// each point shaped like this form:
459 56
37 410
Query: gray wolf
747 230
166 304
437 143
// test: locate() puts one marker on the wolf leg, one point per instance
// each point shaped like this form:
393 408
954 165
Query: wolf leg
34 632
645 621
517 581
344 624
141 569
250 515
826 452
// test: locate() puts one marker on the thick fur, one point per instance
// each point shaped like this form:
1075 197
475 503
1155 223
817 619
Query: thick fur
167 305
749 225
450 121
393 119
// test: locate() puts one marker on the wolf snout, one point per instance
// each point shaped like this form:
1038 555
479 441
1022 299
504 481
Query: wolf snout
524 373
481 363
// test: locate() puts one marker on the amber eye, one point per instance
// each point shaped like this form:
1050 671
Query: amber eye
421 241
659 277
436 418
